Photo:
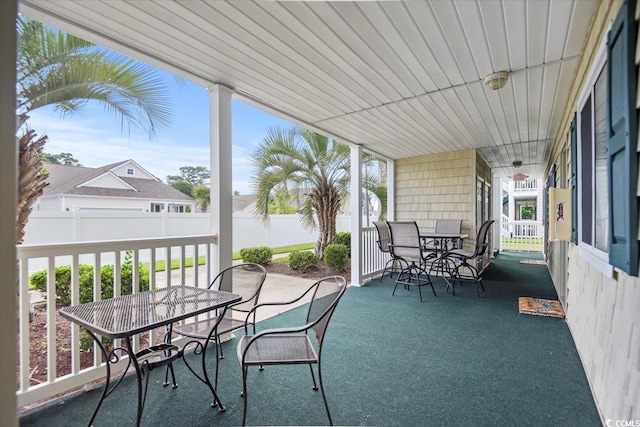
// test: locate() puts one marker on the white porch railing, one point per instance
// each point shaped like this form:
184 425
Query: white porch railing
523 235
373 259
527 185
96 254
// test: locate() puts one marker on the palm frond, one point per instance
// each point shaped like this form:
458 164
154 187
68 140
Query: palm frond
58 69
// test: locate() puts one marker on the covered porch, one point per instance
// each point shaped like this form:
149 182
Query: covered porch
404 81
449 360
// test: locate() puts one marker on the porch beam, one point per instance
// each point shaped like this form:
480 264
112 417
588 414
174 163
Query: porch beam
8 208
221 177
356 215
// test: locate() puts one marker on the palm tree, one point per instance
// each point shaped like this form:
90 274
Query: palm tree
202 193
307 163
57 69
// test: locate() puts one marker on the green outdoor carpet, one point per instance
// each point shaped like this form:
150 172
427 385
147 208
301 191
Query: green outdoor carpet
391 361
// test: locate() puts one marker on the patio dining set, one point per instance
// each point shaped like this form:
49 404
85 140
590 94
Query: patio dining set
417 256
203 316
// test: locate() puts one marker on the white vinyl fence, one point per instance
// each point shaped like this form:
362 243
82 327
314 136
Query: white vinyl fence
248 231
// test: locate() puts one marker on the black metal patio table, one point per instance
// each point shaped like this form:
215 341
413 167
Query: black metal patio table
126 316
439 264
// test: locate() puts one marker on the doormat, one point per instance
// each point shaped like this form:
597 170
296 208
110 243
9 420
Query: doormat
533 261
540 307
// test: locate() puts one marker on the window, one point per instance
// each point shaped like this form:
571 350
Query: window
129 171
606 142
593 165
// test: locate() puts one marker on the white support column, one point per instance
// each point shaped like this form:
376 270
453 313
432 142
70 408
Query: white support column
221 177
496 185
391 190
8 205
356 215
512 207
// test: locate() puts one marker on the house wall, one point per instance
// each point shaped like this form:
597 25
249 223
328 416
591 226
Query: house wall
602 313
107 181
72 203
111 203
443 186
438 186
483 171
137 171
48 204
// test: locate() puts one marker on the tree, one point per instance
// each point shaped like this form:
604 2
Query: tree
60 159
64 71
190 177
308 162
183 187
280 203
202 194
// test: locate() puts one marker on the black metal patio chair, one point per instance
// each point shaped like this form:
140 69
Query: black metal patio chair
384 244
245 280
295 345
406 245
463 270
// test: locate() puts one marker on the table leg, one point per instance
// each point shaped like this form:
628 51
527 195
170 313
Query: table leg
105 392
139 375
110 357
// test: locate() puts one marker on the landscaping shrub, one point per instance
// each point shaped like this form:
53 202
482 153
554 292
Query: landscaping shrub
258 255
336 256
38 280
302 260
344 238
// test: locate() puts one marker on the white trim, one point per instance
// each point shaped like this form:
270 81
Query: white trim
596 257
594 71
86 183
134 163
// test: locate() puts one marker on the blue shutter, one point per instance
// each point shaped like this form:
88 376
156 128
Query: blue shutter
574 181
622 128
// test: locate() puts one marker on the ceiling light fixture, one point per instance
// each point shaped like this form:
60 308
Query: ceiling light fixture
495 81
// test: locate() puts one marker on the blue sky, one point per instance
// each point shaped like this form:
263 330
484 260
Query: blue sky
95 137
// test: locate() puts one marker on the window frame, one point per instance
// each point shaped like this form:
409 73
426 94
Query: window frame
589 252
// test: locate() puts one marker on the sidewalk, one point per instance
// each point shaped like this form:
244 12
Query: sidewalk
276 287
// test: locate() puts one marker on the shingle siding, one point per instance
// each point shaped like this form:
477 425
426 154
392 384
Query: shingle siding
435 187
602 312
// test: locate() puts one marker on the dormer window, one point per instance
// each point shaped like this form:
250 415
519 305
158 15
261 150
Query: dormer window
129 171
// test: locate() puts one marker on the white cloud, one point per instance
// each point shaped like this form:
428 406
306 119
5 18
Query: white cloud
93 145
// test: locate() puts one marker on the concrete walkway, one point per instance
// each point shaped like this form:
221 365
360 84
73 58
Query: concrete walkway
277 287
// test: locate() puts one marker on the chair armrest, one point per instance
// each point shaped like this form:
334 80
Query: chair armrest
255 308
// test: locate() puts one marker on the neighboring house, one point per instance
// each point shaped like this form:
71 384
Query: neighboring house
522 199
123 186
245 203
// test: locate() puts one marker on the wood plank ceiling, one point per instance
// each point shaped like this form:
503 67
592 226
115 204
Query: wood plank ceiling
401 79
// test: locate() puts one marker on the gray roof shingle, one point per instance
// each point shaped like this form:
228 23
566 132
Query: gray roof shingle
65 179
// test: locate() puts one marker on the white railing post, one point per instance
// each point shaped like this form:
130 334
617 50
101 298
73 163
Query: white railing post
98 254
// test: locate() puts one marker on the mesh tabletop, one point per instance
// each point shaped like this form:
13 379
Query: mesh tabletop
131 314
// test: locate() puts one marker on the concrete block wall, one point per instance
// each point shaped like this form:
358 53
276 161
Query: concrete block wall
437 186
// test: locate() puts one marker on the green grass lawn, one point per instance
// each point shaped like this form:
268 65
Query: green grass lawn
522 244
